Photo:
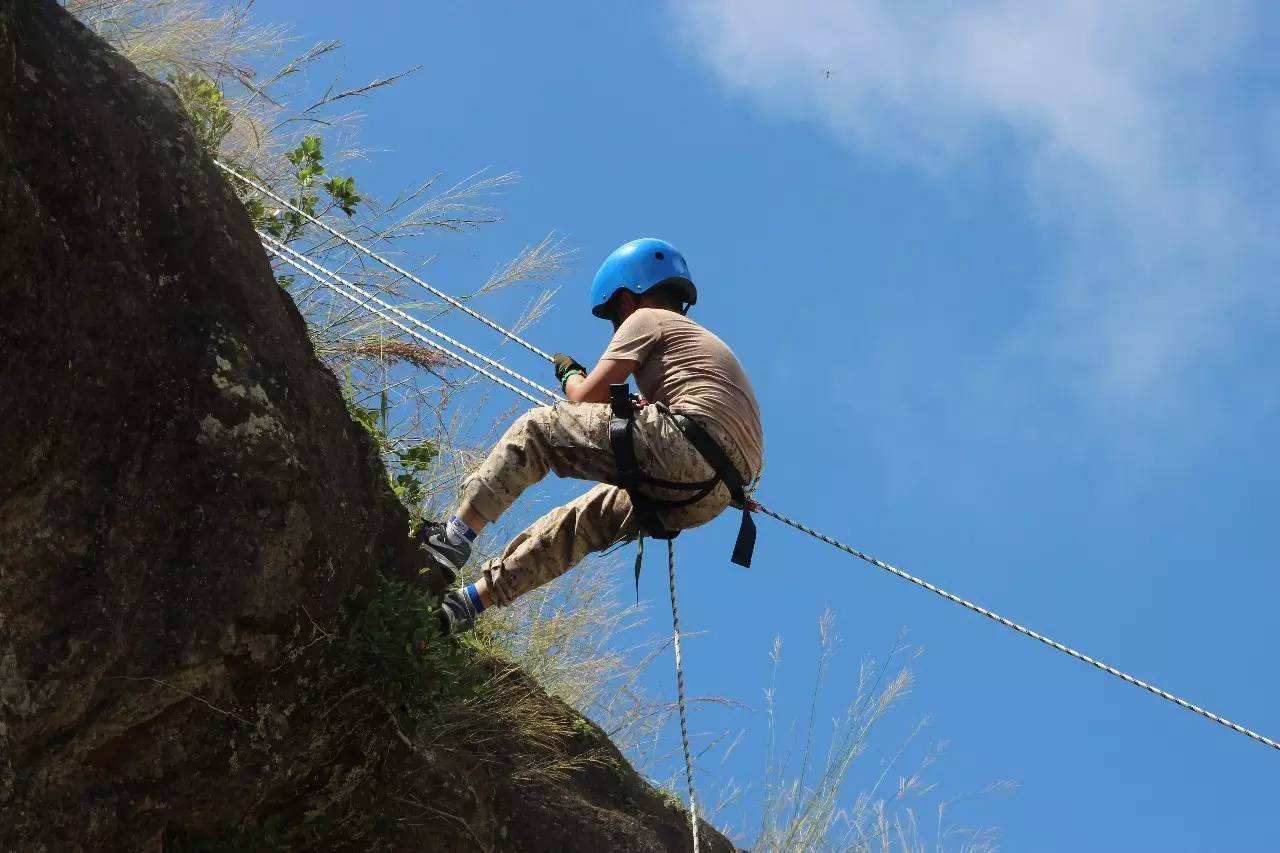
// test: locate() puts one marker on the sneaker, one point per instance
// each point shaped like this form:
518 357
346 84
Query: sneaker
442 554
456 613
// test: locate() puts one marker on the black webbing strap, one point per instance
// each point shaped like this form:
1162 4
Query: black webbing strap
630 476
745 545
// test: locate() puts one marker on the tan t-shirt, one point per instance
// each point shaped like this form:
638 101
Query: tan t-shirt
693 372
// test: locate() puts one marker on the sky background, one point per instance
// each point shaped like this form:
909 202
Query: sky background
1004 279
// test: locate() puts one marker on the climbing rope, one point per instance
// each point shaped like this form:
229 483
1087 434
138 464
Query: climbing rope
362 298
313 269
1009 623
803 528
684 728
365 250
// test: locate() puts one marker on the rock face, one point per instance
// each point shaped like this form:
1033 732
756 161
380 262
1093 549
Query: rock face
189 518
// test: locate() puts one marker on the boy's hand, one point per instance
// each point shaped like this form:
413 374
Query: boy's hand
566 367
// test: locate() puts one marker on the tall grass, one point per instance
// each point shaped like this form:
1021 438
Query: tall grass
853 794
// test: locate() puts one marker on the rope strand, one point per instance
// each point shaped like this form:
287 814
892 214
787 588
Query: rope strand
401 326
282 247
1009 623
365 250
684 728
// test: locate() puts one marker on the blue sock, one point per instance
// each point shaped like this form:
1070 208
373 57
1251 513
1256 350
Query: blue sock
474 595
458 531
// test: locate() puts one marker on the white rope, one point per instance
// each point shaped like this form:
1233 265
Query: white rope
1009 623
684 728
360 247
364 298
302 259
955 599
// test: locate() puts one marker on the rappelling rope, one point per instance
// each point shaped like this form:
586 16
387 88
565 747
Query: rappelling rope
684 728
1008 623
283 253
1021 629
313 269
360 247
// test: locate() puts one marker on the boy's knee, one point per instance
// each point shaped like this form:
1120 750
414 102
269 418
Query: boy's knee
535 421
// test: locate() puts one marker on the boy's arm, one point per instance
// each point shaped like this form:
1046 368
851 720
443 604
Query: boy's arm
594 387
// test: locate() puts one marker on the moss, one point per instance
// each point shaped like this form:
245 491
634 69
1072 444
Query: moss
399 635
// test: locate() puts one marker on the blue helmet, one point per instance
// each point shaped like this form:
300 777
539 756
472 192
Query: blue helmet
640 266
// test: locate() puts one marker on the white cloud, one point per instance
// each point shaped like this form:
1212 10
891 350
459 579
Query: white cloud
1125 150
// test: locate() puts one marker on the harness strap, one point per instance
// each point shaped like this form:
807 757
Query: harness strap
630 476
744 546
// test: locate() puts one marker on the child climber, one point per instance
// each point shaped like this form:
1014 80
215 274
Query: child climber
673 462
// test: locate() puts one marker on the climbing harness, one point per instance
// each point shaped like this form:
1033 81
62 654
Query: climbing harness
631 477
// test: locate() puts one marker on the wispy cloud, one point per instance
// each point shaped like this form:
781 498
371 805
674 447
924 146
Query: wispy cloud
1136 142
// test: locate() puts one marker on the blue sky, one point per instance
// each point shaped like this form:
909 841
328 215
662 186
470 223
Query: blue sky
1004 280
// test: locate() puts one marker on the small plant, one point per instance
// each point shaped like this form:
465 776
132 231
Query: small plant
206 106
671 800
401 638
819 806
213 120
412 461
307 159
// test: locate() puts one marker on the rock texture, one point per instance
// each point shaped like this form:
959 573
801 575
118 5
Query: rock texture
189 519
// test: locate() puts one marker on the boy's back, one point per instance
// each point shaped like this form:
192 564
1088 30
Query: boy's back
690 370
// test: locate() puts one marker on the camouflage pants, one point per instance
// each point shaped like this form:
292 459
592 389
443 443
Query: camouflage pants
572 439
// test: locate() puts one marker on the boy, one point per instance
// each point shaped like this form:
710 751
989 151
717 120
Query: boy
696 439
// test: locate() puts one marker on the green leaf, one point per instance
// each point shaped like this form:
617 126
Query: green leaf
206 106
418 457
343 192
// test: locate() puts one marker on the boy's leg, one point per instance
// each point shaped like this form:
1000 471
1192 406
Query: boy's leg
570 439
557 542
577 446
545 550
560 539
